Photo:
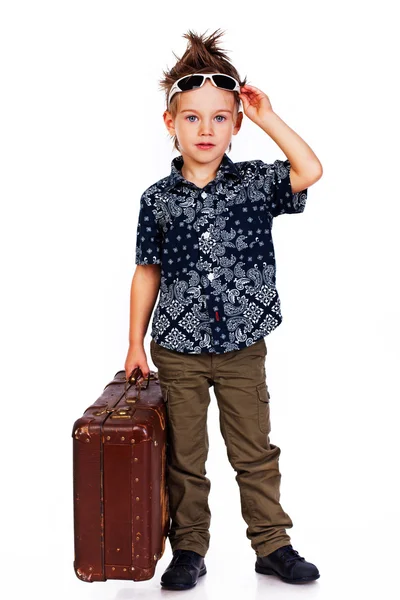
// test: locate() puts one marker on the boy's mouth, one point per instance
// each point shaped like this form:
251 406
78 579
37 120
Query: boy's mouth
204 146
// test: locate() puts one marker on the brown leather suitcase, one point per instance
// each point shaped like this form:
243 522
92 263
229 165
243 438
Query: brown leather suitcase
121 512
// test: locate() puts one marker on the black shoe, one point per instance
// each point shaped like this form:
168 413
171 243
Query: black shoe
183 571
286 563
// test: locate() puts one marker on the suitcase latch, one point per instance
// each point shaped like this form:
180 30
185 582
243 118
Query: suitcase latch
105 409
123 413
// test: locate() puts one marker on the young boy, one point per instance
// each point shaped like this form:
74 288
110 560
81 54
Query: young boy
204 242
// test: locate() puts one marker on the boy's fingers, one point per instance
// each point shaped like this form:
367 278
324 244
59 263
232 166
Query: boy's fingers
145 372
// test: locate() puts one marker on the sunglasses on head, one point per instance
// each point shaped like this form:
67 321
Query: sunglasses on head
196 80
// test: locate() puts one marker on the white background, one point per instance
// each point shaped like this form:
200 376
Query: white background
82 136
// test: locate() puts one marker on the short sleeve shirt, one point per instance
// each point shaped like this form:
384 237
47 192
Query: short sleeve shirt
218 274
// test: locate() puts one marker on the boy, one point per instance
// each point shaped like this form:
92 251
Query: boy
204 241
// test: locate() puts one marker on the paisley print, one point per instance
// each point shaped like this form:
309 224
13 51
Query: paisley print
214 245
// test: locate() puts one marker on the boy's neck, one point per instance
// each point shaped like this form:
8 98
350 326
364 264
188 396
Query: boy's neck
196 170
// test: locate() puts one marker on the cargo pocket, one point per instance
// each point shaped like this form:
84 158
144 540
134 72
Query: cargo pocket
164 392
167 379
263 408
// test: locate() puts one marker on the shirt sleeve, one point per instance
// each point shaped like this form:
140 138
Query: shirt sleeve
277 185
148 234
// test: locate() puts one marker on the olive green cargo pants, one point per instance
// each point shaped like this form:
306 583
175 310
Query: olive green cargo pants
240 387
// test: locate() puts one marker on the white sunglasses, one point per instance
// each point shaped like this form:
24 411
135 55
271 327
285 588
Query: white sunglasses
196 80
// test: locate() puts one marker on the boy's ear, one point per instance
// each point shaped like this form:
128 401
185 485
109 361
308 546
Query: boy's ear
169 122
238 122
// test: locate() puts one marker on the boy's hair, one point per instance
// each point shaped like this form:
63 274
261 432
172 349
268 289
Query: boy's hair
202 55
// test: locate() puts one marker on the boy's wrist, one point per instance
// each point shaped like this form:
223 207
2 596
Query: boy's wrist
136 344
268 120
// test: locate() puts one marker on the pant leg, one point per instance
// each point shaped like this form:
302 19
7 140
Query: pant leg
243 399
185 386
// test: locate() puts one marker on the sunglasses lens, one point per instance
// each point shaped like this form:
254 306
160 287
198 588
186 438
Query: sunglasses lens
190 83
225 82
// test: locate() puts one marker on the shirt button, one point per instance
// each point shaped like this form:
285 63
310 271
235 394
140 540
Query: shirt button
210 276
204 195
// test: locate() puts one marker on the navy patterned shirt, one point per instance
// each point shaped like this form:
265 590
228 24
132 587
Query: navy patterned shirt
217 288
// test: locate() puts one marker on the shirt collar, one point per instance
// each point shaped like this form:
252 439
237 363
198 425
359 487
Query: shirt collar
226 167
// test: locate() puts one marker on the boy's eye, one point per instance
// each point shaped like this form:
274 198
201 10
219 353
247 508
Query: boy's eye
195 117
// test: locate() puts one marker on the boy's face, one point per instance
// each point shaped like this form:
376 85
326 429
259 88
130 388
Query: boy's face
207 114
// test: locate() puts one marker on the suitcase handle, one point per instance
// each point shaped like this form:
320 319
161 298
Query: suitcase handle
134 378
136 374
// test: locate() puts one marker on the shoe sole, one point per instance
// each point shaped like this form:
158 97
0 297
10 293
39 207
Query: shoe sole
182 586
267 571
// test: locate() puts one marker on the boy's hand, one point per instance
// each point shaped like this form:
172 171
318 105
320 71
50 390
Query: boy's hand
136 357
256 104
